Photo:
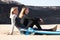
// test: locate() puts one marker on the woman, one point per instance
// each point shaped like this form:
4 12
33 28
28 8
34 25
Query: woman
13 15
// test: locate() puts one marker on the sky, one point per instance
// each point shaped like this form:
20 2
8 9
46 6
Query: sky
40 2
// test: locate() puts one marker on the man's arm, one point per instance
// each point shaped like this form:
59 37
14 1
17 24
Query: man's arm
22 13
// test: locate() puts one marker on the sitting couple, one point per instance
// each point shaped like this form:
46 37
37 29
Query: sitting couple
24 21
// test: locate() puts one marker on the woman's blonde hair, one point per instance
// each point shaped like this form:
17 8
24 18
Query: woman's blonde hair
13 8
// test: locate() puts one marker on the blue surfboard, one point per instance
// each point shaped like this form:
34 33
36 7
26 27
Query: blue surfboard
30 30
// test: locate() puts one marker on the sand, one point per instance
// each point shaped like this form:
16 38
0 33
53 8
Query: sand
4 31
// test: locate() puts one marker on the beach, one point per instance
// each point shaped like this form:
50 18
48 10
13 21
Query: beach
4 34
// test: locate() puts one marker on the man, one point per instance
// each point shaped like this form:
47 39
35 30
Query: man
30 22
26 20
23 16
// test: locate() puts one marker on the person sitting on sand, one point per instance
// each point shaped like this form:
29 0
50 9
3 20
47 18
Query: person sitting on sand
13 15
30 22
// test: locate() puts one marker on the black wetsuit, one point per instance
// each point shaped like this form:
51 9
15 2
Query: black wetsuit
18 23
30 22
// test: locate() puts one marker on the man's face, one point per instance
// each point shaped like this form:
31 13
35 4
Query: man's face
26 11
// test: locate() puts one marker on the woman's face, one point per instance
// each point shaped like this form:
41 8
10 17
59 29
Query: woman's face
15 11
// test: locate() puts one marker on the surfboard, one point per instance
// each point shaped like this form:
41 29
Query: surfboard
31 31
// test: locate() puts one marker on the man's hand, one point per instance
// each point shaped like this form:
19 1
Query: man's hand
41 20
